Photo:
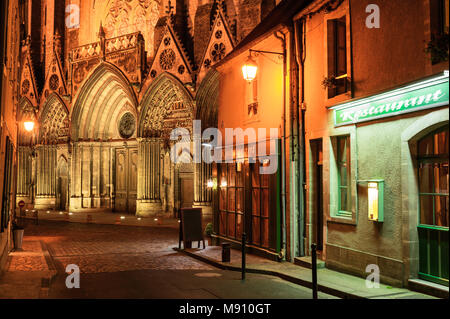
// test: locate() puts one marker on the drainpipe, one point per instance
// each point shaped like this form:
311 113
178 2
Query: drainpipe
282 37
301 164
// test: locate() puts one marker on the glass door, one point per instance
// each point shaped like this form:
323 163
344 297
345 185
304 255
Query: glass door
433 207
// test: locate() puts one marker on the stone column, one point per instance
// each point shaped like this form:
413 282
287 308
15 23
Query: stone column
46 177
24 174
75 198
96 173
148 197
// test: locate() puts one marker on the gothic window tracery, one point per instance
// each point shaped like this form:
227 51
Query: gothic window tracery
127 125
218 51
54 82
25 86
167 59
128 16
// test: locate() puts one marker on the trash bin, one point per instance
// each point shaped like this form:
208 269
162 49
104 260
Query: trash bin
18 238
226 250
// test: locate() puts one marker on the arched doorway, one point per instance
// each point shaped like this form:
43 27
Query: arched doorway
62 189
52 141
165 106
433 180
104 154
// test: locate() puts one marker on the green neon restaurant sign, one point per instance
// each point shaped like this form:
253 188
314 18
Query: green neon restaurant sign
431 92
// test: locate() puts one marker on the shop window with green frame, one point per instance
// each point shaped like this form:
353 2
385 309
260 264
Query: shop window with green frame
433 178
343 175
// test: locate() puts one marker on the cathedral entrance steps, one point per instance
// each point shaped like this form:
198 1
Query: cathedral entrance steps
111 218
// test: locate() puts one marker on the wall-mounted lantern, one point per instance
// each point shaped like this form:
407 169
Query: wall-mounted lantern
223 183
375 199
249 69
28 125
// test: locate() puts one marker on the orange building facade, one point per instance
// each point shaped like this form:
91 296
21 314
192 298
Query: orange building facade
362 115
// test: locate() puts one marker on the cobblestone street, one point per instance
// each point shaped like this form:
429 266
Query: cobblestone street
118 261
108 248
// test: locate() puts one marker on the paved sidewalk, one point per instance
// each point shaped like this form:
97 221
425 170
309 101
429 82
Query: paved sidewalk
330 282
28 272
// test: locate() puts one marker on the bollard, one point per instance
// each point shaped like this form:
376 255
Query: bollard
244 239
35 216
226 252
314 269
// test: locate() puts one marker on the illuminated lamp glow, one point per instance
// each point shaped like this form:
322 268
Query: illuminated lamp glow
223 183
249 69
28 125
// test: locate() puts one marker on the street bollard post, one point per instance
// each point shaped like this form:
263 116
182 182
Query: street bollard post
314 269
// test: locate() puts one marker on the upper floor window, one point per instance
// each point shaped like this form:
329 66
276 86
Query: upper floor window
437 47
337 56
439 16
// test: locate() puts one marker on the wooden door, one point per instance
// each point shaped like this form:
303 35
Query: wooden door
125 180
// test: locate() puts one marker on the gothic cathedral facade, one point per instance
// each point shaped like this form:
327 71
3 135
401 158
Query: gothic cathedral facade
106 81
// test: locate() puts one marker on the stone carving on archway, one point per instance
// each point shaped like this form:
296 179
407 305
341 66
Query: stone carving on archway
168 109
54 125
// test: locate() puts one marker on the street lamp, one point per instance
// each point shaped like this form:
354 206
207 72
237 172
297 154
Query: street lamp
28 125
249 69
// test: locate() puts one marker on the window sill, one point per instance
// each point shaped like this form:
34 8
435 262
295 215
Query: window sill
342 220
338 99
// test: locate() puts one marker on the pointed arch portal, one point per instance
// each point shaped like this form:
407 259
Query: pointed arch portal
103 129
166 105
